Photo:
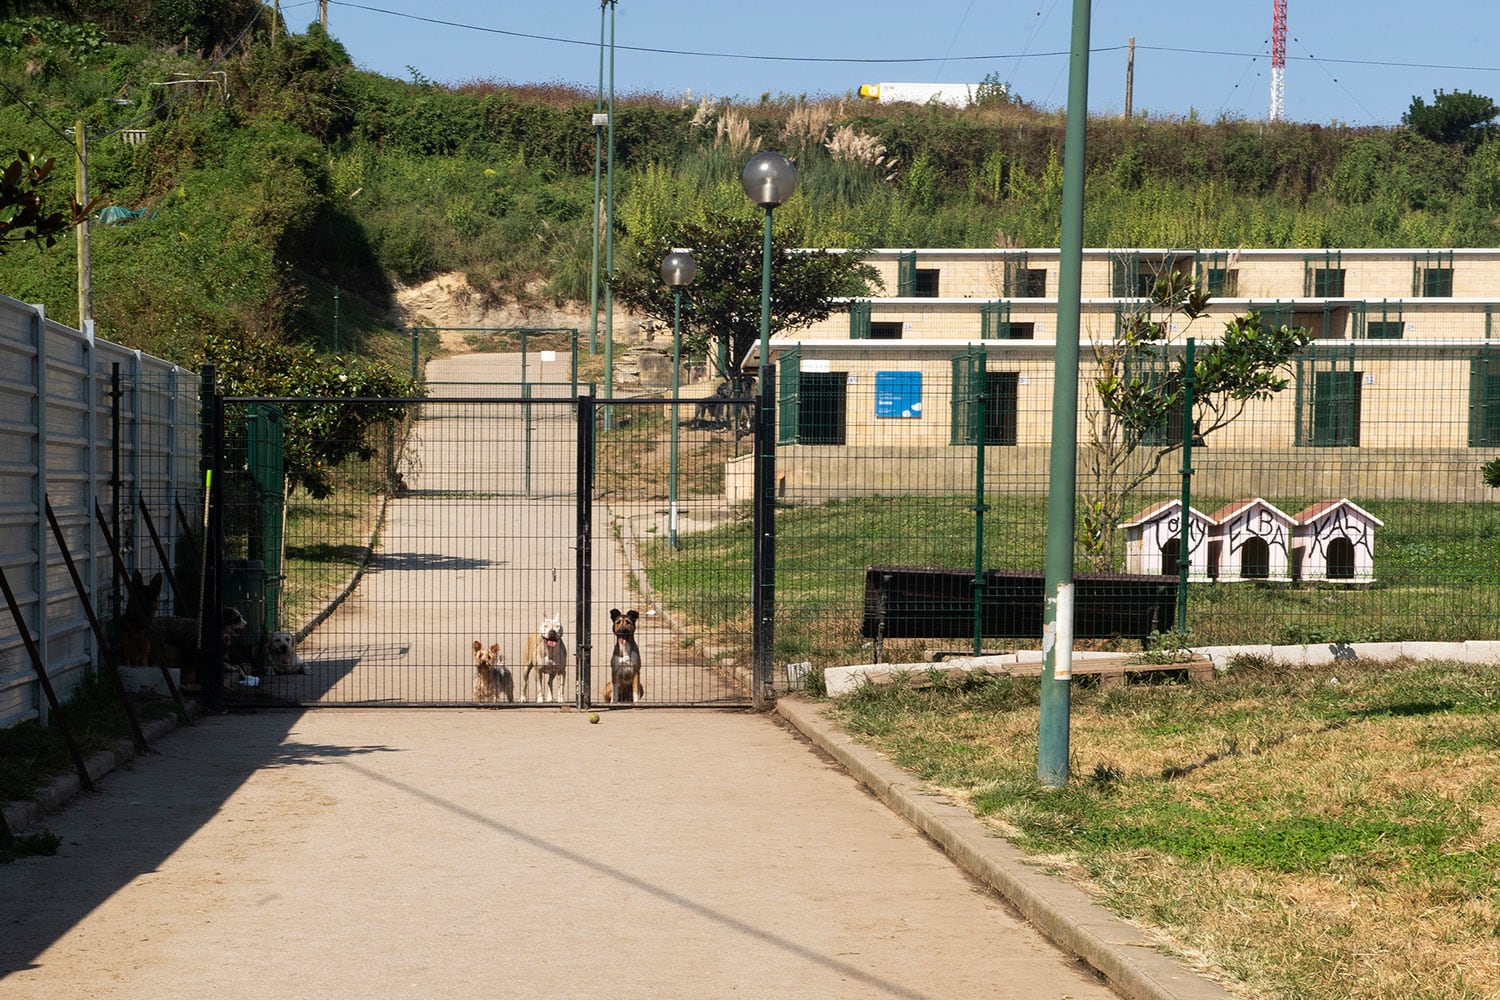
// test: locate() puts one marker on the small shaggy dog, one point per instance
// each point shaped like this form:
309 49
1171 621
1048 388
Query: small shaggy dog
492 678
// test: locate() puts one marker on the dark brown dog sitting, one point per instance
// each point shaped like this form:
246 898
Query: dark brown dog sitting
624 684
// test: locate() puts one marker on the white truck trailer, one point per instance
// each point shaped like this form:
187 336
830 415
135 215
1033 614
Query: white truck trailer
957 95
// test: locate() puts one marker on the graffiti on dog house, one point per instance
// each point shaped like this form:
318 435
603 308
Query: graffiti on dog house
1252 541
1153 541
1335 540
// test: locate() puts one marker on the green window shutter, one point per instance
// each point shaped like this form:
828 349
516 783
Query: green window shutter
789 375
1484 401
1379 321
859 321
994 320
1301 434
906 274
1336 405
1152 370
1437 283
1001 406
968 375
1478 376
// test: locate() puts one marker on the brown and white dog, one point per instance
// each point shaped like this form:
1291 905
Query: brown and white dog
624 684
547 654
492 677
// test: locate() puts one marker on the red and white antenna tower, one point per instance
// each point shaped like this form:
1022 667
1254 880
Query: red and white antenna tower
1278 60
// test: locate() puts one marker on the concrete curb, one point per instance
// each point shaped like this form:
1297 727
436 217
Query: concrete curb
20 816
1116 949
843 679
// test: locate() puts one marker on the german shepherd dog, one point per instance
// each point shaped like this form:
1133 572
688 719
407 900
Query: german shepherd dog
547 654
624 684
175 642
135 625
492 678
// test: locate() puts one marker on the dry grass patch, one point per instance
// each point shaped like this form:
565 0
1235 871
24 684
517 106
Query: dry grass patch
1299 838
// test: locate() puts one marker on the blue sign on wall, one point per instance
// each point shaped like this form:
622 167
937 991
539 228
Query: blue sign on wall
898 394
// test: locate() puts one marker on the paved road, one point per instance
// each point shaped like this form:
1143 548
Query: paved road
385 853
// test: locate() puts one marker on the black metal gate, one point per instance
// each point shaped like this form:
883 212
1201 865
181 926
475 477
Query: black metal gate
413 533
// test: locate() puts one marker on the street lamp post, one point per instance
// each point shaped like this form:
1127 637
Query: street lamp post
678 270
769 179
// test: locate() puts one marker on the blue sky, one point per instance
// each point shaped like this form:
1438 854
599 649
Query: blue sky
1359 63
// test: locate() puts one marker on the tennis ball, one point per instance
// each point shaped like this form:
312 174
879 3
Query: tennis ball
593 716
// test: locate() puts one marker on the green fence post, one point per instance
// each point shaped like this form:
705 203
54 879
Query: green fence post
1184 553
981 423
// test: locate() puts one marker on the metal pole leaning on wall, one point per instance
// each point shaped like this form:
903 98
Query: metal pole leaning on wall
46 682
111 666
161 552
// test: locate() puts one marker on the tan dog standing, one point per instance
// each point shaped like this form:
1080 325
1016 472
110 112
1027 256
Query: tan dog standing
547 654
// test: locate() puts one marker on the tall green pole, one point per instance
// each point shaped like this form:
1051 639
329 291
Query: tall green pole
1057 622
1184 552
676 386
609 234
982 422
765 299
599 120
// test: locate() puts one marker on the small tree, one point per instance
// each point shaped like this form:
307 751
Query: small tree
24 217
1461 118
1137 417
723 305
318 436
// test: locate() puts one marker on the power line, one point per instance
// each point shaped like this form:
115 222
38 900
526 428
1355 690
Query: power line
893 60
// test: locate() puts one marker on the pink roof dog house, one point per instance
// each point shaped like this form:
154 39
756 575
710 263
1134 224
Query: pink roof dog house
1252 541
1153 541
1334 540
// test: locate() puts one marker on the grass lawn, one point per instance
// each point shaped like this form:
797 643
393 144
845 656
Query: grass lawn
1310 833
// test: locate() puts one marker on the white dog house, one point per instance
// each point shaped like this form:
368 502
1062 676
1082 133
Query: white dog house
1334 540
1153 541
1252 541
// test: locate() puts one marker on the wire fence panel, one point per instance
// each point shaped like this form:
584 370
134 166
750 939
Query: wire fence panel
682 546
457 522
1348 507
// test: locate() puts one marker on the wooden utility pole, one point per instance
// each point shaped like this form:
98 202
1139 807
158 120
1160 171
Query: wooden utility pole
1129 79
81 195
323 14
